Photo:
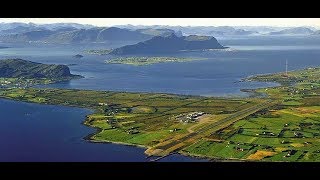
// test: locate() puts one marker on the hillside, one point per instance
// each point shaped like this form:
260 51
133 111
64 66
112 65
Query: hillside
156 32
316 32
72 35
229 31
170 44
19 68
293 31
36 35
18 28
200 30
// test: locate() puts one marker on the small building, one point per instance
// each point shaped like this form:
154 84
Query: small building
174 130
102 104
133 131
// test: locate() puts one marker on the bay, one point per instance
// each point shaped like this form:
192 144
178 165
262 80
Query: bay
32 132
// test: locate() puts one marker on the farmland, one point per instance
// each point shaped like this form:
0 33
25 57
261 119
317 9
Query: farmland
133 118
288 131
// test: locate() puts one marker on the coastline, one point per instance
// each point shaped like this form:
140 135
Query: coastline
182 153
89 138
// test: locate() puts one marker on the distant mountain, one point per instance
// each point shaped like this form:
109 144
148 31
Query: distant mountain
5 26
293 31
66 33
18 68
37 35
316 32
118 34
55 26
64 29
71 35
220 30
169 44
198 30
97 35
229 31
260 29
156 32
17 28
179 33
20 29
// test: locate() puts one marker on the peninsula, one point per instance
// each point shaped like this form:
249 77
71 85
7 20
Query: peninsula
281 127
23 73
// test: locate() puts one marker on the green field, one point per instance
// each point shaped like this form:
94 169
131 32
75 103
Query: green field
117 114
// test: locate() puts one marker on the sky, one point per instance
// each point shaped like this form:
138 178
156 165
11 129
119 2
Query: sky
280 22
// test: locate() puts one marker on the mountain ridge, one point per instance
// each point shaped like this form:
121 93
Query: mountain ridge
293 31
91 35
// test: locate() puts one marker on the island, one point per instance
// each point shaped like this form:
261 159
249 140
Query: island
169 44
78 56
281 126
141 61
166 44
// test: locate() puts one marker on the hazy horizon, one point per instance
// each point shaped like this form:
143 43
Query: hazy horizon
275 22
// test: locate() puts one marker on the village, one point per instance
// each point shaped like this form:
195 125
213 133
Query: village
21 83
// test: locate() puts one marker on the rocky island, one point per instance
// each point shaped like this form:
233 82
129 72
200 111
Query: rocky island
169 44
78 56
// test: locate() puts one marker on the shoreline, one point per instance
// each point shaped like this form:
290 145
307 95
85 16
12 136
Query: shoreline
88 138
